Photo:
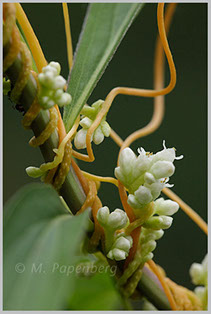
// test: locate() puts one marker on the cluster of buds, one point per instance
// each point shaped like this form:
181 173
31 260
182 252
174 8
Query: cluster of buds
117 245
52 86
146 175
152 228
89 114
198 273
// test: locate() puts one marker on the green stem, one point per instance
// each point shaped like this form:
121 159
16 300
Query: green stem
71 191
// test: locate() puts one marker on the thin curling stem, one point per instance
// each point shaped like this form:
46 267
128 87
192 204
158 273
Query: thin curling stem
31 38
187 209
71 191
161 278
68 35
133 91
159 101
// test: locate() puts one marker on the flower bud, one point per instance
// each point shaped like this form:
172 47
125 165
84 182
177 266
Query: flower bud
97 104
149 178
80 139
126 161
102 215
117 254
64 100
117 219
165 207
58 93
34 172
148 247
150 234
158 222
59 82
105 127
56 66
156 188
162 169
86 123
143 195
123 243
98 136
147 257
133 202
119 175
196 273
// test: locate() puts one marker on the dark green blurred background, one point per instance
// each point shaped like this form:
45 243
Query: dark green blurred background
184 125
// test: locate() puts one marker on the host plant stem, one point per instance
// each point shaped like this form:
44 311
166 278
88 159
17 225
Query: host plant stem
71 191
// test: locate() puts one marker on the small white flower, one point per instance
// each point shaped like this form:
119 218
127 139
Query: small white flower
168 154
89 114
165 207
162 169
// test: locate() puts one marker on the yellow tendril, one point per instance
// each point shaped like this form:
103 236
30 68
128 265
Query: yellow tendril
68 35
31 38
99 178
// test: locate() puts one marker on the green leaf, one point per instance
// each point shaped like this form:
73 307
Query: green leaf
104 27
40 243
96 293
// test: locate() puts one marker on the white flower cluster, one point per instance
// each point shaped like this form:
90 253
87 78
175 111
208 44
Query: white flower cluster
152 227
117 245
199 274
52 87
146 175
89 114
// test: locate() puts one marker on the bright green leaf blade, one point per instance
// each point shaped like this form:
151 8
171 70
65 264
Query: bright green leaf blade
96 293
40 243
104 27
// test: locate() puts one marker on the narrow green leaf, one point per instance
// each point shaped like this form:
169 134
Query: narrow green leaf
104 27
40 244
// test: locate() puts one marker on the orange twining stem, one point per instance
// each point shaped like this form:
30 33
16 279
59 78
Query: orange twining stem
31 38
166 289
134 91
126 206
68 35
38 56
158 107
40 63
188 210
159 101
